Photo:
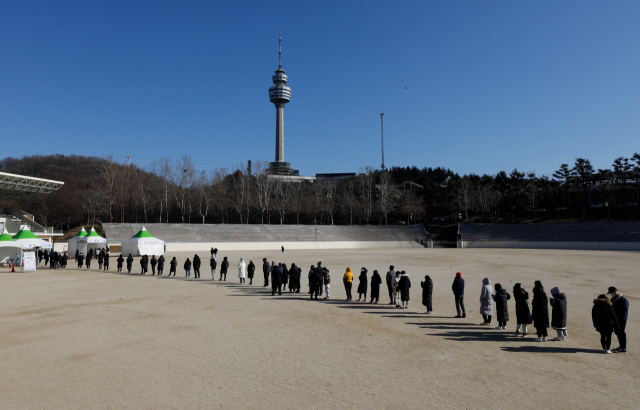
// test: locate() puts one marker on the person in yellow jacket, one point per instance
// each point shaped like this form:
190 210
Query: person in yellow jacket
347 279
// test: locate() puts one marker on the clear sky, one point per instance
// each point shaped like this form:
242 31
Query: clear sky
474 86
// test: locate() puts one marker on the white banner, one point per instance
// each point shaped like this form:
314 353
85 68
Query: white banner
29 259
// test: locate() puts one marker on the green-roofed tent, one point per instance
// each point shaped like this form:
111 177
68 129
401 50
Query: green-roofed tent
143 243
28 240
91 241
8 247
72 244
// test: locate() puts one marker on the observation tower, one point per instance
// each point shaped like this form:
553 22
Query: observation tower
279 95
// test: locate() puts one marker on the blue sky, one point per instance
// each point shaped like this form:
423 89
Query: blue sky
489 85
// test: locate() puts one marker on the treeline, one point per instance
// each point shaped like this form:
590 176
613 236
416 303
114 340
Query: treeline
106 190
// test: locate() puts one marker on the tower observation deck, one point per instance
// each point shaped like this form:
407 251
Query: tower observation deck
280 95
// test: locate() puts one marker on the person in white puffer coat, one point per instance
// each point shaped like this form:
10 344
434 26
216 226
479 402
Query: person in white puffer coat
486 301
242 270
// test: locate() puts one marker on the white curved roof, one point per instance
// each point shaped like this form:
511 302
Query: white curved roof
17 185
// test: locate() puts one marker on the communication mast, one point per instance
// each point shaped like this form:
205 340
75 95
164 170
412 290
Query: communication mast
382 130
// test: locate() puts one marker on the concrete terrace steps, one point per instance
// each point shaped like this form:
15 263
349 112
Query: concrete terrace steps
266 233
618 231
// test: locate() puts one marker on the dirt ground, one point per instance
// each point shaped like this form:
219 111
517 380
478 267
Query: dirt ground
73 339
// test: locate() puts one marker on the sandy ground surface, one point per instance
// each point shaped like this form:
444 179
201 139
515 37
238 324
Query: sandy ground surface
101 340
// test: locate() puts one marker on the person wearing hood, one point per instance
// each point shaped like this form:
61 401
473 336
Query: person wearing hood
376 280
540 312
223 268
154 262
145 264
458 292
187 268
242 271
502 309
523 315
604 320
129 263
173 266
80 260
276 279
326 279
486 301
251 268
160 264
558 314
404 284
196 266
100 260
213 264
427 294
119 261
621 308
362 284
293 278
285 276
347 280
391 275
265 271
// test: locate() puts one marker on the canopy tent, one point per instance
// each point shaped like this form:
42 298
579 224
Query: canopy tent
91 241
8 247
143 243
28 240
72 245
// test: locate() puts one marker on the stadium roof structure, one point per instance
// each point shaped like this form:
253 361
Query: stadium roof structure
18 185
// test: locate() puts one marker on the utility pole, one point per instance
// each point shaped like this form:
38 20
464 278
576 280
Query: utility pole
382 130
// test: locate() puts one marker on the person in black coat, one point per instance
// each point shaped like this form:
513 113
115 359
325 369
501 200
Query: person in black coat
153 262
213 264
621 308
106 261
389 278
88 260
458 292
196 266
46 257
285 276
129 263
502 309
187 268
223 268
100 260
293 278
63 260
523 315
76 255
363 283
314 282
80 260
215 253
144 262
160 265
604 320
427 294
276 279
540 312
265 272
173 266
559 314
403 286
251 269
376 280
119 261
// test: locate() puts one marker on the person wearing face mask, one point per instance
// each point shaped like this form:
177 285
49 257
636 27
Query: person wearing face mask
362 284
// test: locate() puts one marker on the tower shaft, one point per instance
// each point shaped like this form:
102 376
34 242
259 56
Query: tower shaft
280 132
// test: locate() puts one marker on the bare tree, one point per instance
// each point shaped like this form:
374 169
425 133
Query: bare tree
331 201
108 171
281 198
240 181
92 203
349 197
295 192
366 179
318 192
162 187
220 191
144 195
388 193
263 187
203 184
184 173
464 197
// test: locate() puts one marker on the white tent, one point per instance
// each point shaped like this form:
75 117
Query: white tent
142 243
8 247
72 245
91 241
28 240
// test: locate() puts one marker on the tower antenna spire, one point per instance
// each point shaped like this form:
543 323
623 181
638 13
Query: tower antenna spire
279 49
